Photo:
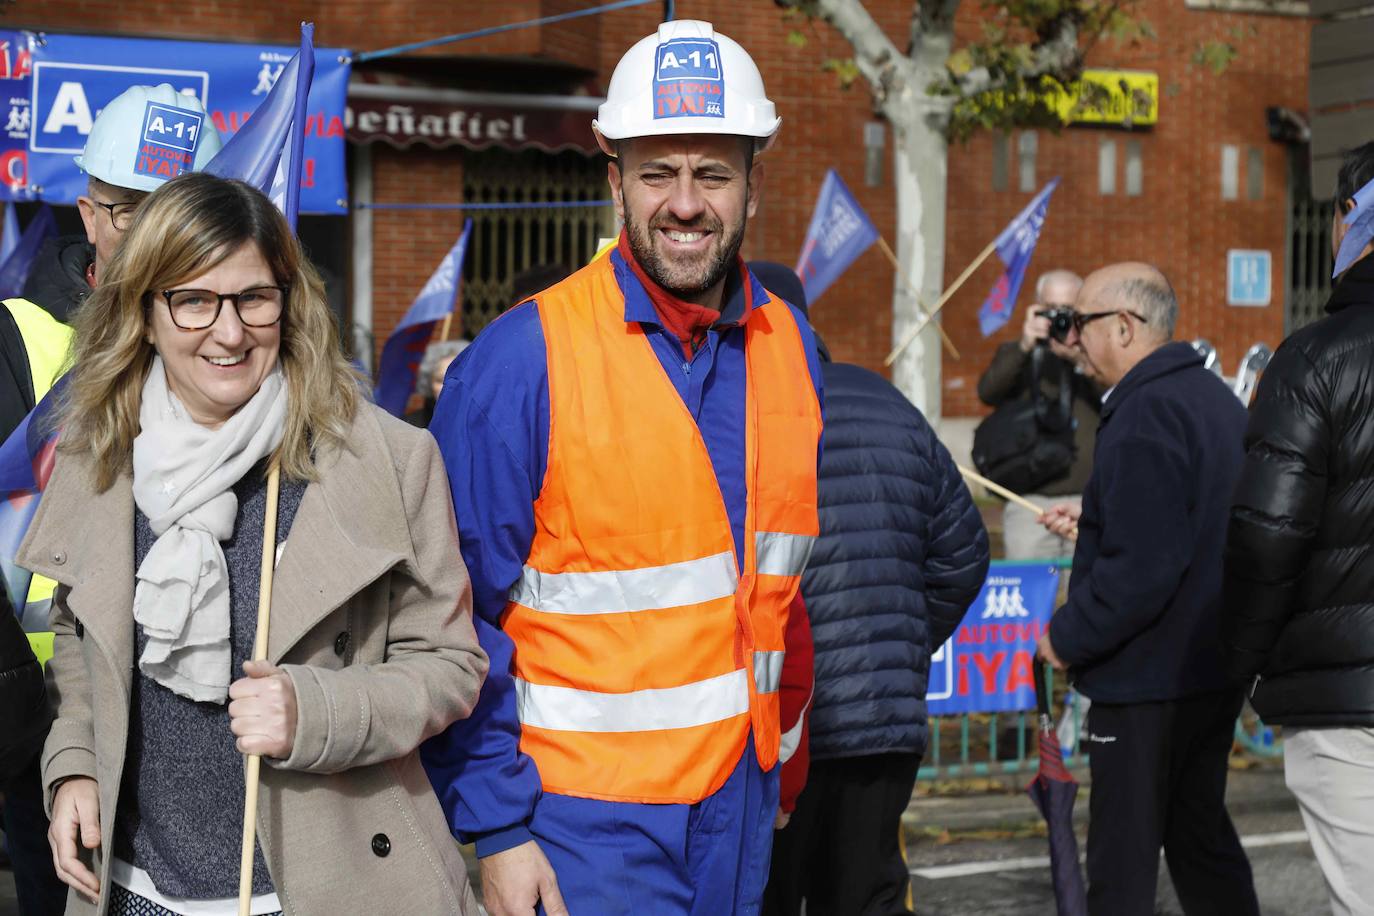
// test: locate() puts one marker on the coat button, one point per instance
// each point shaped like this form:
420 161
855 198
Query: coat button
341 644
381 846
59 558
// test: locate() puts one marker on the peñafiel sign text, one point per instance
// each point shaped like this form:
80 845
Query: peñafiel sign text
988 664
403 116
52 89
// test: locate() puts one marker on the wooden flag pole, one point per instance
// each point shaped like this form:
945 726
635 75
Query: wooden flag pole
444 328
250 795
926 316
1006 494
1000 490
945 297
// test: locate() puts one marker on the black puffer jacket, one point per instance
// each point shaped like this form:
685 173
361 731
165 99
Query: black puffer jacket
1299 607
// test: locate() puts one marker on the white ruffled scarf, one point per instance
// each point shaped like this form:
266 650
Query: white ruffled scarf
184 475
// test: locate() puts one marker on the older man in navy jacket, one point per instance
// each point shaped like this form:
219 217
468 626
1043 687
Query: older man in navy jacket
1140 631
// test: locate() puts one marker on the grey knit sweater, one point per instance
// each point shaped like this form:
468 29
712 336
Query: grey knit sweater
180 814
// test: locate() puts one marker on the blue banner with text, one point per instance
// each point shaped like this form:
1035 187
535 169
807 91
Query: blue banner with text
53 87
988 664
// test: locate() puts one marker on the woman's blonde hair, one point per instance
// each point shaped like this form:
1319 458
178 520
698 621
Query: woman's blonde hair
180 231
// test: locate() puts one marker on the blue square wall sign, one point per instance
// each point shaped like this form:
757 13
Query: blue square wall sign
1248 277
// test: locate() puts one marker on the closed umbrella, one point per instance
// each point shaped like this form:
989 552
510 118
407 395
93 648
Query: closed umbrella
1053 790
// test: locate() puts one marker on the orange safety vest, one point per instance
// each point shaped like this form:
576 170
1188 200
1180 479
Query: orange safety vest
642 655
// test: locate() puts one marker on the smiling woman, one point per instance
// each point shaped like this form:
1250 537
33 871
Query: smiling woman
207 355
225 237
216 359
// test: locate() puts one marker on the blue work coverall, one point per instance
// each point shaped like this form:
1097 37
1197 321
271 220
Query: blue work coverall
492 425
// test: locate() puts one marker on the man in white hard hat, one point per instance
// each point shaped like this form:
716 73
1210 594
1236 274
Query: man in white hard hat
144 136
633 463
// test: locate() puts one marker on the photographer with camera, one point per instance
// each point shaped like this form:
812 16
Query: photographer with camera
1039 439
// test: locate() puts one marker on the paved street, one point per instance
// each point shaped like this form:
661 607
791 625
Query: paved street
974 856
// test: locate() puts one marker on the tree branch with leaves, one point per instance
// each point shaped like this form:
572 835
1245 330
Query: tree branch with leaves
931 93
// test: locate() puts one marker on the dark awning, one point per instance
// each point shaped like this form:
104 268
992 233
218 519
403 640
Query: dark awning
403 113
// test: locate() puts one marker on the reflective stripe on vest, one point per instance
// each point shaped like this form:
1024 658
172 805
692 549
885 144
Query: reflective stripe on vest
791 739
47 342
699 703
768 670
644 655
781 554
628 590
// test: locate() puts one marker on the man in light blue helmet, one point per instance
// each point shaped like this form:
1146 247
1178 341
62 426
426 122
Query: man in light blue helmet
133 148
145 136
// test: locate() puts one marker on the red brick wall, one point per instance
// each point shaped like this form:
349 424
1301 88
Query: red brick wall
358 24
1180 222
408 244
574 40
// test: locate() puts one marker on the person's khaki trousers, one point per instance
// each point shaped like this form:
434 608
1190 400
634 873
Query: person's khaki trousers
1026 539
1331 772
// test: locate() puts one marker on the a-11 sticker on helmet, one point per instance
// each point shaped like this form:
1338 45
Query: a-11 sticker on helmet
170 137
148 134
688 80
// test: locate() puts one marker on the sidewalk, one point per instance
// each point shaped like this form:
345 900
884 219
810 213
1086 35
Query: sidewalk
1257 790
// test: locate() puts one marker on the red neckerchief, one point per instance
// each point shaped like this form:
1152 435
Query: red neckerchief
687 321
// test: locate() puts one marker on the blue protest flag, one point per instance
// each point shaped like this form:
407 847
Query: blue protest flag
26 459
406 346
9 235
267 152
1015 246
840 231
1359 230
14 269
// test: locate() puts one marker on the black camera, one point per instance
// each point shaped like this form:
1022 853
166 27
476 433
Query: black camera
1061 322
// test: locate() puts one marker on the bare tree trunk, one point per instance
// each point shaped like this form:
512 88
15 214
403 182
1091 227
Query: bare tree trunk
899 83
922 158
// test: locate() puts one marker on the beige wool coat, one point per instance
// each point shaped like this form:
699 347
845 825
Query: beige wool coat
372 620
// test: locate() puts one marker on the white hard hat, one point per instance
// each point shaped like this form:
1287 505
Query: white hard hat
686 78
147 135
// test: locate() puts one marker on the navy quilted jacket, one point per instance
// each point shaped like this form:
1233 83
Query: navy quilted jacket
902 554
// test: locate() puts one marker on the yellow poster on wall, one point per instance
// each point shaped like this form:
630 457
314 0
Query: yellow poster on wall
1117 98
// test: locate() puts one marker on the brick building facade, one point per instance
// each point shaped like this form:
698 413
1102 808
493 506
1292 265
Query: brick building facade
1166 206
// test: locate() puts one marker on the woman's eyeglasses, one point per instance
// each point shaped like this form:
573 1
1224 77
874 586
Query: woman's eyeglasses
198 309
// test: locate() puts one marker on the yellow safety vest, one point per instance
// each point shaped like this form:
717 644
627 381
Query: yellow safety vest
47 342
